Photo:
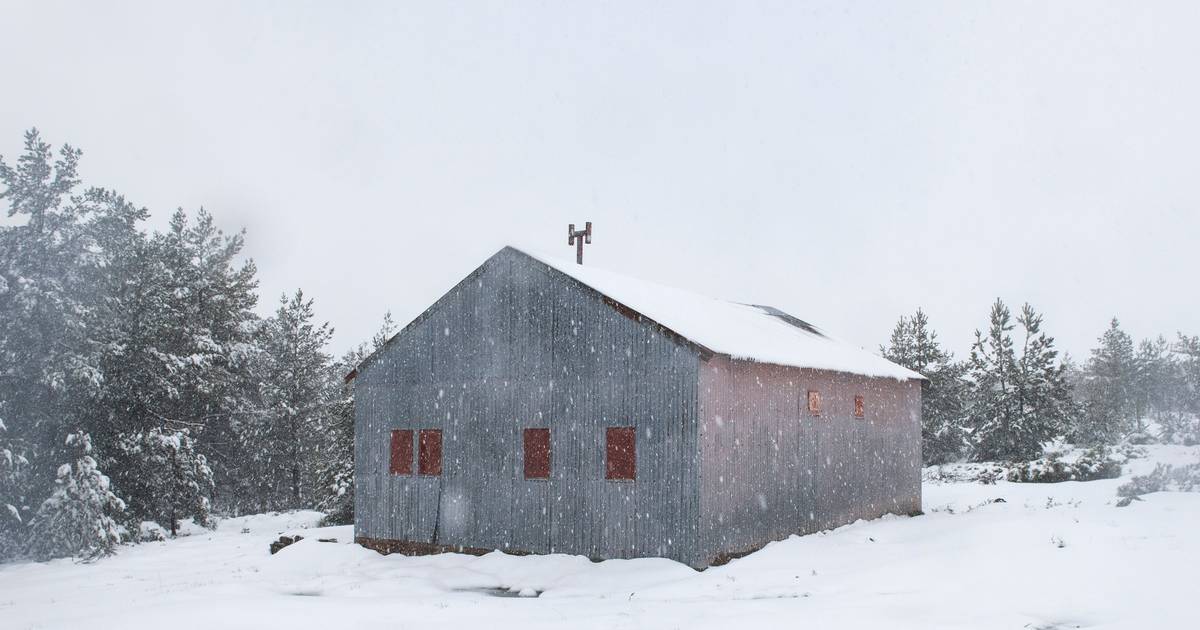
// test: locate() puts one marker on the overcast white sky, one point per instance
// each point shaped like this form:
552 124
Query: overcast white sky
847 163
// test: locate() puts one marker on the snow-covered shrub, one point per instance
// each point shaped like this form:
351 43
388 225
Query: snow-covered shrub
77 518
1126 451
1145 484
985 473
1186 478
1099 463
1139 438
1179 428
339 502
1164 478
1094 463
1189 434
163 478
149 531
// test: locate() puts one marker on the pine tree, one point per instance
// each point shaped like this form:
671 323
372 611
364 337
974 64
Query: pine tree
992 407
149 346
1159 387
899 348
1109 386
1017 402
129 338
281 443
915 346
135 325
177 337
163 478
48 263
212 340
1047 408
1187 349
336 467
334 491
76 520
14 464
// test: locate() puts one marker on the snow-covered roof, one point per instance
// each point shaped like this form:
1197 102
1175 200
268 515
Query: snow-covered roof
740 331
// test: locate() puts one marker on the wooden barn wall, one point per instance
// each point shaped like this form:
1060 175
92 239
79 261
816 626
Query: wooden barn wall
769 469
518 345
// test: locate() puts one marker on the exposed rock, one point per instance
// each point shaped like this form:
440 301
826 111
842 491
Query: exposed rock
283 542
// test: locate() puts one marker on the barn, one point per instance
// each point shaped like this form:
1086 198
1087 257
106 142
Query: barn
546 407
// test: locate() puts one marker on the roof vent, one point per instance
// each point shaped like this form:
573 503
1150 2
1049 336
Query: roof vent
794 321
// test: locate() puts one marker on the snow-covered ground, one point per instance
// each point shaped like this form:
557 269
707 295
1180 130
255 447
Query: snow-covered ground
1048 556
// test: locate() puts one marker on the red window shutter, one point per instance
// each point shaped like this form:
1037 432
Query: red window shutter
620 453
814 402
429 452
859 407
401 459
537 453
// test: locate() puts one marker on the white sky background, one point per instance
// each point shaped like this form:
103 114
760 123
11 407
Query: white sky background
845 164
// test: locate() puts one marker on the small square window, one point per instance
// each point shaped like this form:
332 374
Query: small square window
400 462
429 452
814 402
858 407
620 449
537 453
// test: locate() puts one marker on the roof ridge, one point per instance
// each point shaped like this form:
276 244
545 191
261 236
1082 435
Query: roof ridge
711 325
741 331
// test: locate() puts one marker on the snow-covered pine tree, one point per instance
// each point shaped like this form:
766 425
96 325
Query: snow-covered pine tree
14 465
163 478
334 491
335 469
899 348
281 443
1160 389
109 331
1046 406
1187 349
205 341
49 259
991 410
991 371
1016 403
144 419
133 339
1108 389
76 520
914 345
136 330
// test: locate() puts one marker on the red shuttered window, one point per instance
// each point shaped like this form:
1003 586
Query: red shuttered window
859 407
620 446
814 402
537 453
400 463
429 452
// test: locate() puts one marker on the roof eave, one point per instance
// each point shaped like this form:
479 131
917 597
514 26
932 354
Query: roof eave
916 376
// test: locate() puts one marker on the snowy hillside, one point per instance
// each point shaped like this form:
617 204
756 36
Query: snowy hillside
1048 556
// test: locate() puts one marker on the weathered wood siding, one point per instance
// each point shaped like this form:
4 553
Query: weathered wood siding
769 469
519 345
